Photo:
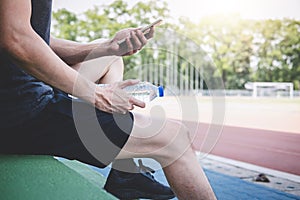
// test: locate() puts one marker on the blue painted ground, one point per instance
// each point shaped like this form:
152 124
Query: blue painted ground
230 188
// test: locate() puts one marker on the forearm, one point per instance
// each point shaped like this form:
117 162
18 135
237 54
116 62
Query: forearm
33 55
73 52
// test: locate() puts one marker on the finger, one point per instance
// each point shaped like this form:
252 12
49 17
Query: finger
150 33
131 107
141 37
112 107
105 105
137 102
105 108
132 29
122 101
122 109
128 82
122 104
137 44
129 46
119 110
117 103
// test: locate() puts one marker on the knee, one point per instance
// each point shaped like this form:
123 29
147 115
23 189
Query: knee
174 143
114 64
177 134
118 62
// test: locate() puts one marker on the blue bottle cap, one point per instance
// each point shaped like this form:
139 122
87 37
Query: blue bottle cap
160 91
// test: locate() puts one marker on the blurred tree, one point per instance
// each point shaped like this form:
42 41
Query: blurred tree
242 50
247 50
65 25
228 42
106 20
278 51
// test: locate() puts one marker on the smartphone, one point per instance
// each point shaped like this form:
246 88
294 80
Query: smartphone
146 29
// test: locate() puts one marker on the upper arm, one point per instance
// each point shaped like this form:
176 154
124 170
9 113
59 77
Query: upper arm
14 20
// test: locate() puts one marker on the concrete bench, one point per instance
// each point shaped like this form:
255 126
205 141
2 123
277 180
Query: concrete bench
44 177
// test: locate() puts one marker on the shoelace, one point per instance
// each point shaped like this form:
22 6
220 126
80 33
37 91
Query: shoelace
147 170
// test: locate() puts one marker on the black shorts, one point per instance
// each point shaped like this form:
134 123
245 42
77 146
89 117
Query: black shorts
71 129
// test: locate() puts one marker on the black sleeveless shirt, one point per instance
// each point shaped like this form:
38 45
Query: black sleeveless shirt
22 96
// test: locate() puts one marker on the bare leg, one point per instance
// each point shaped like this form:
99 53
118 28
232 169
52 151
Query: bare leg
187 178
171 150
170 146
107 69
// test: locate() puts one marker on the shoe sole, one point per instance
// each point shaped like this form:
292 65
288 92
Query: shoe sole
134 194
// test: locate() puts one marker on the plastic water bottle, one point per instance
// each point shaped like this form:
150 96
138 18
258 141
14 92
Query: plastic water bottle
145 91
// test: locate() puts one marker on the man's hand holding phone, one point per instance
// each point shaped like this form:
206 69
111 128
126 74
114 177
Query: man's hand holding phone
129 41
146 30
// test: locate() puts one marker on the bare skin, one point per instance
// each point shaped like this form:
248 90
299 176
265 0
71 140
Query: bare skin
60 66
20 42
176 159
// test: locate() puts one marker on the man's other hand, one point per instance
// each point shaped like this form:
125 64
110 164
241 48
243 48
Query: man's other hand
112 98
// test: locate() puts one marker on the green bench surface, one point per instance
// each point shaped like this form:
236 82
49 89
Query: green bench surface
46 178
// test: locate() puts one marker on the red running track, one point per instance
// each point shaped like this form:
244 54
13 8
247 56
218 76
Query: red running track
271 149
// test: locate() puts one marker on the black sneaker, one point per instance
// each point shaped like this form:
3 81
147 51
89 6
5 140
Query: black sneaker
127 186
